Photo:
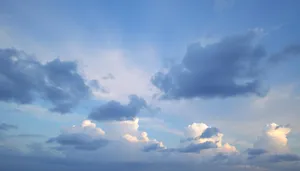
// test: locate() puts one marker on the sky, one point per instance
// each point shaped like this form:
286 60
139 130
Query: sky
149 85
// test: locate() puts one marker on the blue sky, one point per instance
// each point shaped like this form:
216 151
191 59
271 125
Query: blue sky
189 82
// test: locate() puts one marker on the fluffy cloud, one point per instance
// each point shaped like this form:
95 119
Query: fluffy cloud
141 138
114 110
200 137
272 146
230 67
227 68
25 79
274 138
6 127
87 145
84 137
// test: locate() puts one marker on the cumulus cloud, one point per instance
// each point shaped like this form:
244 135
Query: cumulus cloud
84 137
272 146
227 68
200 137
273 138
24 79
141 138
230 67
6 127
114 110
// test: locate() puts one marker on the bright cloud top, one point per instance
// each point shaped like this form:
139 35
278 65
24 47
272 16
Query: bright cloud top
274 138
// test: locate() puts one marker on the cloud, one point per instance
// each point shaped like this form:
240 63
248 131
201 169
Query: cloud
6 127
210 132
256 151
272 146
200 137
114 110
284 158
155 146
25 80
288 52
197 147
230 67
274 138
88 151
136 136
84 137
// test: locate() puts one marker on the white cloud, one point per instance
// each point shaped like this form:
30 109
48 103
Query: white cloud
86 127
196 129
117 129
274 138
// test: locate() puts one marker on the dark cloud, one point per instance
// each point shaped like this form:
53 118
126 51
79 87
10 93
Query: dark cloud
207 133
154 147
256 151
197 147
284 158
114 110
231 67
287 52
24 79
6 127
210 132
14 160
78 141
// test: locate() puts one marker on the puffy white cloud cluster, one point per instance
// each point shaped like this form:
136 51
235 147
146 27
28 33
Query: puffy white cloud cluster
274 138
200 136
142 138
87 136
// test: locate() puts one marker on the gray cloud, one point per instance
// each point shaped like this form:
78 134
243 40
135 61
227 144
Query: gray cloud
190 148
256 151
25 79
197 147
13 160
210 132
284 158
231 67
6 127
287 52
114 110
78 141
154 147
223 69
